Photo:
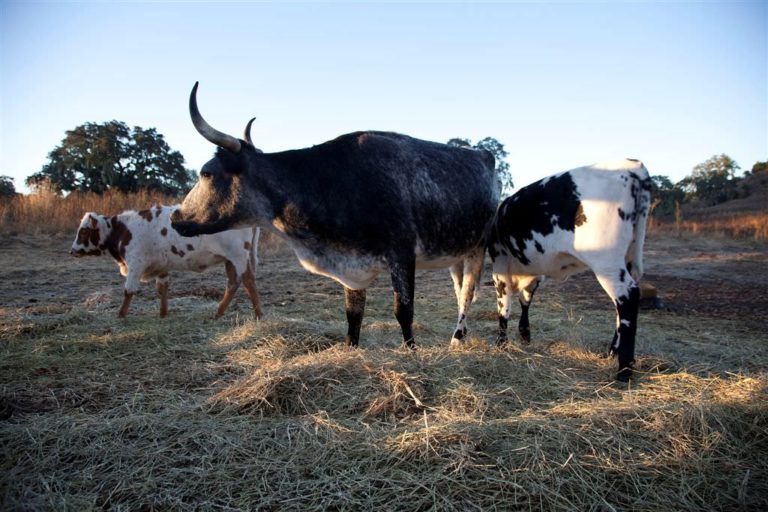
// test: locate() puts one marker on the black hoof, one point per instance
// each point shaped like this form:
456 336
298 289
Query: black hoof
624 375
525 335
501 341
351 343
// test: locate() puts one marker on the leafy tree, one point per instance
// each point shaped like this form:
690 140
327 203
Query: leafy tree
760 168
713 181
665 195
6 187
497 150
99 157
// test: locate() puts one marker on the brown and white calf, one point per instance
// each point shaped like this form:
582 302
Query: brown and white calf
590 218
145 246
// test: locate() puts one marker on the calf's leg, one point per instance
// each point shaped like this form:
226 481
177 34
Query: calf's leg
233 281
131 286
161 282
249 281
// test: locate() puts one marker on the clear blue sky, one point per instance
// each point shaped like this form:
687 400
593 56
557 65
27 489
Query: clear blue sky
560 84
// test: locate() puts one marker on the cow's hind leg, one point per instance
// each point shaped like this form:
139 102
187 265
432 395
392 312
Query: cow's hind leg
471 269
161 282
233 281
249 282
403 271
354 301
625 295
525 296
504 289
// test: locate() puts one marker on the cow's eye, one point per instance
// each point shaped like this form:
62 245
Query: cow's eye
206 174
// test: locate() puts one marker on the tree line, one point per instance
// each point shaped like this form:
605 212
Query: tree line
96 157
712 182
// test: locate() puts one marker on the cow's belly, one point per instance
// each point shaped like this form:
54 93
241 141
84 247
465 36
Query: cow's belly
198 261
358 271
555 265
352 270
437 262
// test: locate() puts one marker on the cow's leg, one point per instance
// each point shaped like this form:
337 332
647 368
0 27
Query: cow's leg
457 276
249 281
625 295
472 268
233 281
354 301
504 289
131 287
161 282
403 271
525 296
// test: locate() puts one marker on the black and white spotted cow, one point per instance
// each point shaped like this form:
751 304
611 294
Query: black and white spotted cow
353 207
590 218
145 246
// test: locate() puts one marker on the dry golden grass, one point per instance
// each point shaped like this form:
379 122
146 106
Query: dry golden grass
51 213
192 413
750 225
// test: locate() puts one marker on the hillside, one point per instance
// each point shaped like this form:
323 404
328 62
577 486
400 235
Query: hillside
755 200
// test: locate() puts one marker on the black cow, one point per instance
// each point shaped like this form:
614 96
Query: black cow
354 206
590 218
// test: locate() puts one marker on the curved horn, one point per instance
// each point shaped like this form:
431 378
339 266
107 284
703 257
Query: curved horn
247 133
208 131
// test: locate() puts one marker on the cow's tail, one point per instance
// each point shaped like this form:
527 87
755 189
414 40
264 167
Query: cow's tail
642 197
254 259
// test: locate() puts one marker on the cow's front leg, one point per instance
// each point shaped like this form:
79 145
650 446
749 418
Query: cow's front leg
403 282
354 301
471 269
131 287
625 294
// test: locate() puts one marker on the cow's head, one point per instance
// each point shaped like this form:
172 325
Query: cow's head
228 192
91 235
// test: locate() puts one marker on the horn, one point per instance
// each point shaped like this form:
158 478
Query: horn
208 131
247 133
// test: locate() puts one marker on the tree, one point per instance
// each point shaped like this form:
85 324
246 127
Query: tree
100 157
665 195
760 168
713 181
496 148
6 187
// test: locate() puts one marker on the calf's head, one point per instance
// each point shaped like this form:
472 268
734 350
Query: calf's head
91 235
226 195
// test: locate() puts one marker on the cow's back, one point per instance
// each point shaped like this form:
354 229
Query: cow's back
370 191
555 225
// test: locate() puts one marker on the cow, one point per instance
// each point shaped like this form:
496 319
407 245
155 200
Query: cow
353 207
589 218
145 246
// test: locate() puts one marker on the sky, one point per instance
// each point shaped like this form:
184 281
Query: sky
559 84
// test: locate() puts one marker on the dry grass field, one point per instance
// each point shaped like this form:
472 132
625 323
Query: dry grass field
194 413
